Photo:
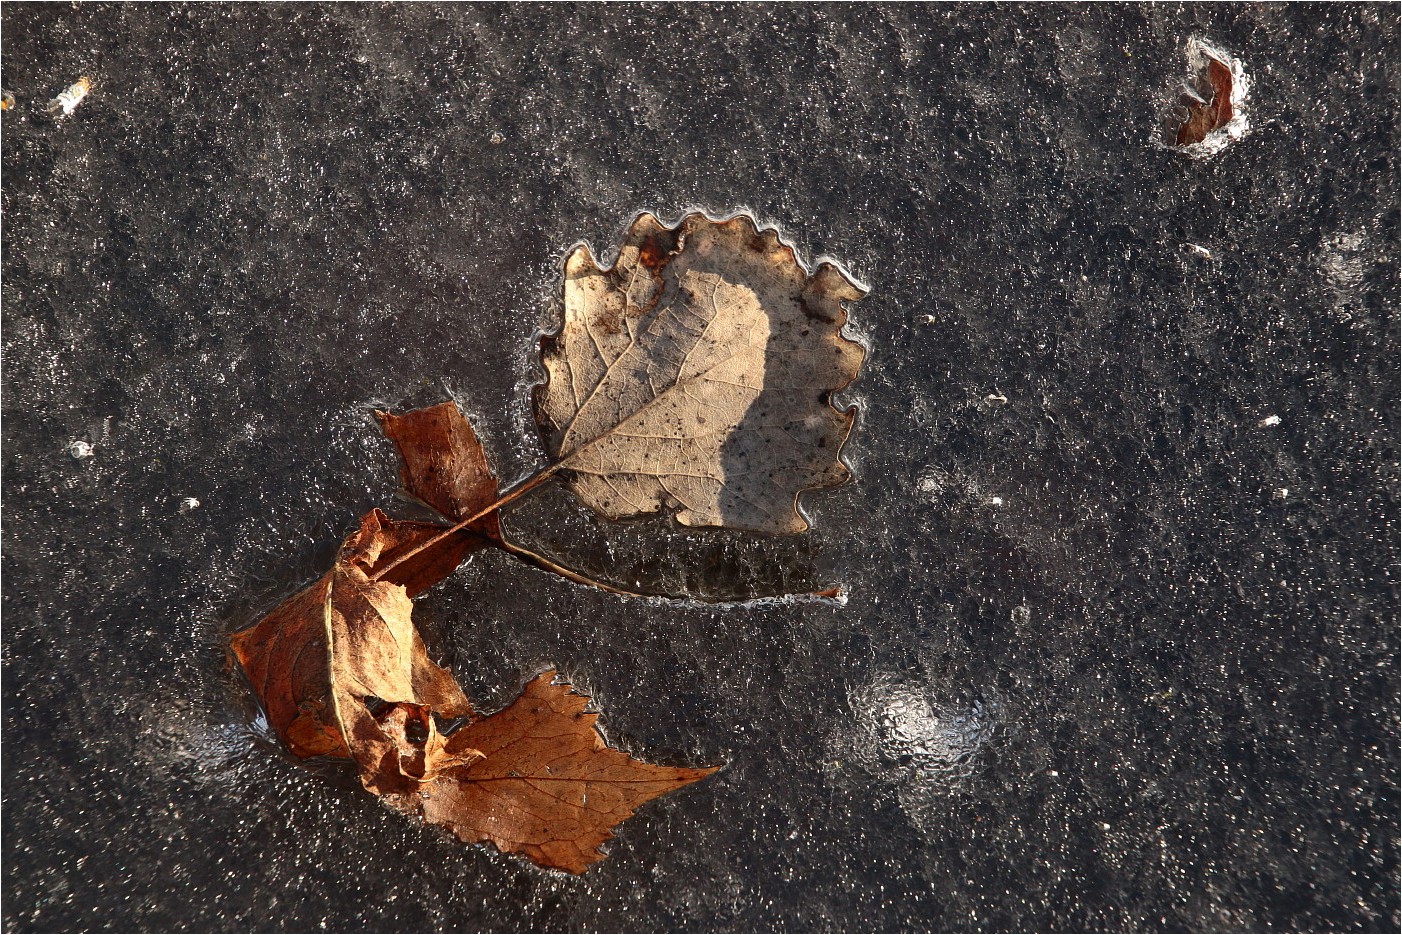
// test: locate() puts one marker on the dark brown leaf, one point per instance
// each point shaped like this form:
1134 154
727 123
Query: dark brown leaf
1207 114
444 465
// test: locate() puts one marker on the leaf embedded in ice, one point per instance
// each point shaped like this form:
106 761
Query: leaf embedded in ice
545 784
443 462
695 375
1213 109
341 671
1204 116
325 656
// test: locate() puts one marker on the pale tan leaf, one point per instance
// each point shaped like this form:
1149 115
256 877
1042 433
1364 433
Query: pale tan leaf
696 374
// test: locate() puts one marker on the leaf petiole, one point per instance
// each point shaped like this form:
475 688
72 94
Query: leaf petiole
515 493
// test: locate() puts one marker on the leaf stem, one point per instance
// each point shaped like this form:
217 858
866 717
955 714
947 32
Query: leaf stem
515 493
569 574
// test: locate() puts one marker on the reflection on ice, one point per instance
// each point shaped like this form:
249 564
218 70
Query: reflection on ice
177 740
918 737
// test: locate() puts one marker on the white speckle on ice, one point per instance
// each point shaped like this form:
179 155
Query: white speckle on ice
1201 251
1269 421
80 449
189 505
1282 493
995 501
929 485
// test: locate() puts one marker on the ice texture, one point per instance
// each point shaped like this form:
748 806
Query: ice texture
1094 670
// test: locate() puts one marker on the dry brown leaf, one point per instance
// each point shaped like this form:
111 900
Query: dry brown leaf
546 785
1204 116
695 375
443 462
320 656
342 672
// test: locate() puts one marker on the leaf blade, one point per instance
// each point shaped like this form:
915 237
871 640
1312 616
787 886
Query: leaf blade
695 376
315 659
546 785
442 462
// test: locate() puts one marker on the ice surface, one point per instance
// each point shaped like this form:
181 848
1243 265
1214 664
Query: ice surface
1143 690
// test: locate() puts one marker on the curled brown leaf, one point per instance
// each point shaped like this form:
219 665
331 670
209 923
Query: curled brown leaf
1210 108
320 656
342 672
